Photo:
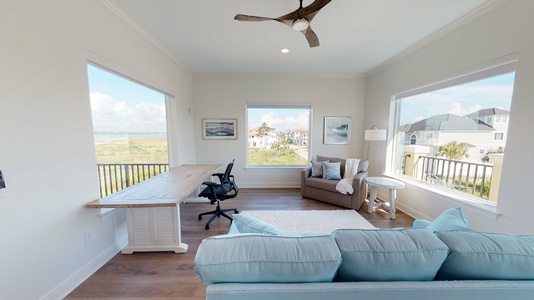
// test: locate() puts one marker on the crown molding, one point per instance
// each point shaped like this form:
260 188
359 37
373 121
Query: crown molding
473 15
119 13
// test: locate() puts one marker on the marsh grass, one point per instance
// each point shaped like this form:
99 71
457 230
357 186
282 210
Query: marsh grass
142 150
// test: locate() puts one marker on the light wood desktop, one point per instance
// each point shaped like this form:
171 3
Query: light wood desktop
153 207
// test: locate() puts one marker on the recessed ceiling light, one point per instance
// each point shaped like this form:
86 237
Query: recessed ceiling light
285 50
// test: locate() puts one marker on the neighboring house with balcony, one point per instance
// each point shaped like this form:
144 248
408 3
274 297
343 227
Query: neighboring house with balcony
298 136
482 131
266 141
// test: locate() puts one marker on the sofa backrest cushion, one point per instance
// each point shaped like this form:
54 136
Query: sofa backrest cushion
406 254
252 258
486 256
451 219
248 224
362 166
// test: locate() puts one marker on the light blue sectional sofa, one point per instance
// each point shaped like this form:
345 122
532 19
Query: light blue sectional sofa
444 259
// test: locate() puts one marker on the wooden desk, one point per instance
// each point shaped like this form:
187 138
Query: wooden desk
153 207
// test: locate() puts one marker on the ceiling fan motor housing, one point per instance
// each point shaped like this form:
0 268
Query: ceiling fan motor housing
300 24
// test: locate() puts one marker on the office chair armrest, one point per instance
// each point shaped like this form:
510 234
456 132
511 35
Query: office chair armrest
219 175
209 183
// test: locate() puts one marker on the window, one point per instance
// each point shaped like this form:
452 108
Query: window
130 130
468 118
278 135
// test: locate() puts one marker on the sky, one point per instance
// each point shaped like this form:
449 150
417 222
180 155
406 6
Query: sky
119 104
280 119
460 100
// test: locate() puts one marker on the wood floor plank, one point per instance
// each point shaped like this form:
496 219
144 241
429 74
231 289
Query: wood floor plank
164 275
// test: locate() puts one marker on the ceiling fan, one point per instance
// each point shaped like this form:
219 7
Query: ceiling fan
299 19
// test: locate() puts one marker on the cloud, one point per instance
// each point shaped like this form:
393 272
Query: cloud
112 115
299 121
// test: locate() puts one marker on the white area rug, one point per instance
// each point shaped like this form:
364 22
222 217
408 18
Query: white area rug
310 221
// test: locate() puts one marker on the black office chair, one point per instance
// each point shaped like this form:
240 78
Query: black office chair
220 192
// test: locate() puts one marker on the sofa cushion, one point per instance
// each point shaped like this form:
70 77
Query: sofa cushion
332 171
485 256
317 168
319 183
248 224
362 166
389 254
451 219
252 258
333 160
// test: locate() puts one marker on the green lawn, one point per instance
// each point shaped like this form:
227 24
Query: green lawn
259 157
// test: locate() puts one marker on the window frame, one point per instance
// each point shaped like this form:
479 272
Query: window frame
500 66
252 105
103 64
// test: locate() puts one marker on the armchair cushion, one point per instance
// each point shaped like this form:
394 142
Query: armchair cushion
332 171
317 168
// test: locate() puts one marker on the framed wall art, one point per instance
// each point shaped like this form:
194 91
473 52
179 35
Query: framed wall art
337 130
219 129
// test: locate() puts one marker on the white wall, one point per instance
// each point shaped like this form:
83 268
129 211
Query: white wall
225 96
46 143
508 29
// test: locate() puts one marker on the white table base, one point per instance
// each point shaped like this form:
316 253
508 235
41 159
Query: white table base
154 229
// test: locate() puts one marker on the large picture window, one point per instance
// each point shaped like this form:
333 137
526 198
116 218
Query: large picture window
452 135
278 136
130 130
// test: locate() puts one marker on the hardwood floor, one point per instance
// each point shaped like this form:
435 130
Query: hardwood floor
163 276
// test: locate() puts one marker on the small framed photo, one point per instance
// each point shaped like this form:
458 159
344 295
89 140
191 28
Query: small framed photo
219 129
337 130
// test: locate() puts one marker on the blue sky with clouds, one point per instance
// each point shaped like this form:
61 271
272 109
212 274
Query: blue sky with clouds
119 104
460 100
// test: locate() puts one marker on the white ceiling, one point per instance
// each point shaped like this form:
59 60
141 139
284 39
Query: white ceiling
355 35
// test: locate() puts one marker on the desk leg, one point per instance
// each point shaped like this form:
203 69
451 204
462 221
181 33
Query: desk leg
154 229
372 199
392 207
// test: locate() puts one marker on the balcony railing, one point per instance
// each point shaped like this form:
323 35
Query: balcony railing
468 177
115 177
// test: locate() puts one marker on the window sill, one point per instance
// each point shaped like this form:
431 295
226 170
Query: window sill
275 168
468 202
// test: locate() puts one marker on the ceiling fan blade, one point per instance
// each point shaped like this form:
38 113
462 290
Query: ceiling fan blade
305 12
312 38
252 18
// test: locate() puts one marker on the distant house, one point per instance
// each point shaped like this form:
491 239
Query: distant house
482 131
266 141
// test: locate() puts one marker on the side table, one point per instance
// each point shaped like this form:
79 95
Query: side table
383 182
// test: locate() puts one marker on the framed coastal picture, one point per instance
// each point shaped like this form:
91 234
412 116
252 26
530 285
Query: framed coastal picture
219 129
337 130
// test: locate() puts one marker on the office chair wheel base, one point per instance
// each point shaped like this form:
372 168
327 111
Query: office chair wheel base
207 227
235 211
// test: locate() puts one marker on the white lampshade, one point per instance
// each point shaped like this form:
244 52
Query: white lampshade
375 135
300 24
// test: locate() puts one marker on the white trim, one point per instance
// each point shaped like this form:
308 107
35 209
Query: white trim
120 14
472 204
495 67
475 14
77 278
96 60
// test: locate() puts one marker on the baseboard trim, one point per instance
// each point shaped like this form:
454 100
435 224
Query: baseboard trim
73 281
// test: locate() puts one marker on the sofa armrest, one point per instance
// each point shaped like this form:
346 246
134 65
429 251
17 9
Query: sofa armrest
360 191
305 173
